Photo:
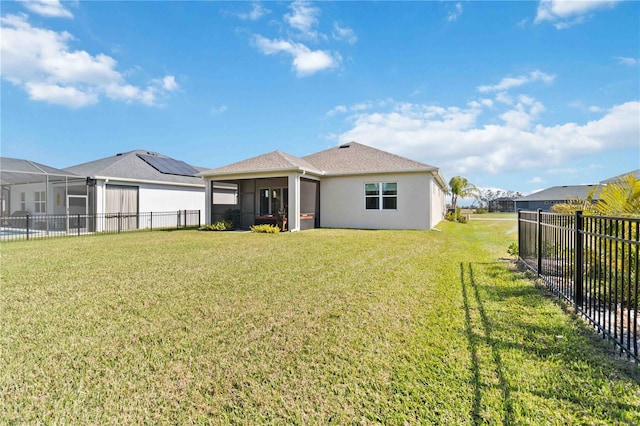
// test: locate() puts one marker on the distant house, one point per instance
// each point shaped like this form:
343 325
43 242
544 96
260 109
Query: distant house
546 198
140 181
502 204
348 186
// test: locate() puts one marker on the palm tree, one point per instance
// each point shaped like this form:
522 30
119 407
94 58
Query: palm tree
621 197
460 187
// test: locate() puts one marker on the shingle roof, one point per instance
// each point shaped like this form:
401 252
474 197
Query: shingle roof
129 165
354 157
562 193
272 161
350 158
636 173
14 170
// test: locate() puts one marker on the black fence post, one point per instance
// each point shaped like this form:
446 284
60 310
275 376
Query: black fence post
539 242
578 261
520 236
178 220
199 223
186 221
27 226
119 219
151 221
78 224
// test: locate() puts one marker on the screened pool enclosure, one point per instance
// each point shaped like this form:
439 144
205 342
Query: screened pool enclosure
42 198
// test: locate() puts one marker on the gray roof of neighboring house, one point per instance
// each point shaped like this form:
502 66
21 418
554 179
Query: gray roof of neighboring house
350 158
561 193
130 166
636 173
272 161
15 171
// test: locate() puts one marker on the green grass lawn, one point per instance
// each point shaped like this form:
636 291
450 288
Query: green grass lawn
322 326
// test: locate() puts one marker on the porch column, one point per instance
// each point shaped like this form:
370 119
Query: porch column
208 201
293 212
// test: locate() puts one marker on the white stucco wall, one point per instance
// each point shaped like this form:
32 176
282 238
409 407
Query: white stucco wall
342 202
158 197
438 203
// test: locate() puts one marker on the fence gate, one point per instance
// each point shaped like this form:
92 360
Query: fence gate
77 213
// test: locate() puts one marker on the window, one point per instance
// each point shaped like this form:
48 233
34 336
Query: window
273 200
381 196
40 202
23 201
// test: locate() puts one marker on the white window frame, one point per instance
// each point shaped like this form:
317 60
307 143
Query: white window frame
23 201
40 201
380 196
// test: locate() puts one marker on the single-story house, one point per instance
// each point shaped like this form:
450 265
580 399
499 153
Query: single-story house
348 186
546 198
140 181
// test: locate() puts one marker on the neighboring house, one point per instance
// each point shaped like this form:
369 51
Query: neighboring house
546 198
140 181
502 204
349 186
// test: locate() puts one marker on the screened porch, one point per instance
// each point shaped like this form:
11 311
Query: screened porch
256 201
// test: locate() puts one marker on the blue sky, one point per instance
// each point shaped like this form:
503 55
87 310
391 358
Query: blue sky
512 95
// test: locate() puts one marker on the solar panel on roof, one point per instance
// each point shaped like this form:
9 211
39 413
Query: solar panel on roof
169 166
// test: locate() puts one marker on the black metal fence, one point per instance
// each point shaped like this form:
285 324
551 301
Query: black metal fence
592 262
29 227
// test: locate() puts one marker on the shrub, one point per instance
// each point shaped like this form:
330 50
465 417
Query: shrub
223 225
481 211
450 216
265 229
462 219
512 250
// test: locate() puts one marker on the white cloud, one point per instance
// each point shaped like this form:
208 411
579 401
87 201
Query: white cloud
511 82
453 138
455 13
627 61
169 83
257 11
566 13
535 179
344 33
305 60
42 62
304 18
55 94
48 8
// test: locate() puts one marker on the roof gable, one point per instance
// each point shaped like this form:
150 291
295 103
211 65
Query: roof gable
272 161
